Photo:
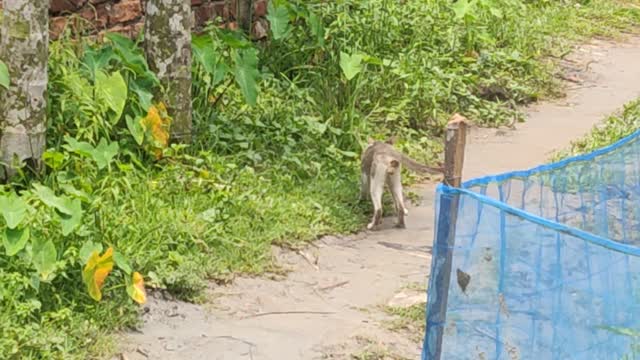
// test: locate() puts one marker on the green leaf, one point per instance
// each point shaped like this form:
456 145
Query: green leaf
97 59
351 64
221 71
53 159
135 129
205 53
317 28
104 153
87 249
278 17
247 74
234 40
71 221
80 147
13 210
4 75
34 281
144 97
44 257
15 240
131 56
48 197
113 90
122 262
462 8
372 60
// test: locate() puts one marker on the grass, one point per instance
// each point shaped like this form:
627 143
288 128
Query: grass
281 172
410 320
372 350
612 129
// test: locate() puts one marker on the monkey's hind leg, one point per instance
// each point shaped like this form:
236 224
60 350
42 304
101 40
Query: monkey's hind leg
395 185
376 188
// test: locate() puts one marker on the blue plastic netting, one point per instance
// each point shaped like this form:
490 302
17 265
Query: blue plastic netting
549 261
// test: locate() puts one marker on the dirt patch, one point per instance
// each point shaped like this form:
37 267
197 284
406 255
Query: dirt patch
330 301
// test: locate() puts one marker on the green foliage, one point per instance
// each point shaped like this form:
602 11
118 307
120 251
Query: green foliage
278 16
278 129
614 128
246 74
351 65
4 75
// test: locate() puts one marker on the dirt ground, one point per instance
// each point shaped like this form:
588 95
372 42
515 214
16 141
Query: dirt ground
329 305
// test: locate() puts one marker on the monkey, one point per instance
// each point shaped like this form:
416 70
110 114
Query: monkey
381 163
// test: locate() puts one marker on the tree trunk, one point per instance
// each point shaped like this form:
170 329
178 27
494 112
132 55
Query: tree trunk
24 47
168 25
245 12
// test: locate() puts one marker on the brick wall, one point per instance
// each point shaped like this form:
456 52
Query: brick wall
127 16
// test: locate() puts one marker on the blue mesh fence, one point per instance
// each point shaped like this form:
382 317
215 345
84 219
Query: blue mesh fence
540 264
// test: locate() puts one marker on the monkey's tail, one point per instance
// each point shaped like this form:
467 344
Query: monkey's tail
418 167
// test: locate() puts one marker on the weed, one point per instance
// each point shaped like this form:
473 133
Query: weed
614 128
277 131
410 320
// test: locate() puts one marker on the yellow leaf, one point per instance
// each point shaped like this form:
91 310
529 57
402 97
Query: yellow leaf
136 288
96 271
157 124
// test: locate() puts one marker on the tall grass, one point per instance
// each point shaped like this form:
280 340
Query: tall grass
281 171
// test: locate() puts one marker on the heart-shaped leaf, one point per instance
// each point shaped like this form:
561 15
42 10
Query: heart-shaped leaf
112 89
135 129
463 8
13 210
278 17
87 249
79 147
104 153
205 53
351 65
317 28
122 262
15 240
247 74
48 197
96 271
44 256
71 221
145 97
135 288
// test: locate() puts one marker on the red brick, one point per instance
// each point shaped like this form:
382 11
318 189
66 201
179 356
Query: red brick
124 11
59 6
260 8
56 26
98 16
196 2
204 13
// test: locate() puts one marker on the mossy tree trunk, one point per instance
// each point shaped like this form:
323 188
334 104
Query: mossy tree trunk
24 47
168 27
245 13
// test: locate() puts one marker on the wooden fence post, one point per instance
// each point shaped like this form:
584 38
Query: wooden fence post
455 141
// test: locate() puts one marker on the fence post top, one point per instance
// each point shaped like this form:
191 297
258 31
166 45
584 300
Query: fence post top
457 121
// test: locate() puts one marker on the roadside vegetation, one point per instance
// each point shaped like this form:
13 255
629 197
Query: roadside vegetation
279 125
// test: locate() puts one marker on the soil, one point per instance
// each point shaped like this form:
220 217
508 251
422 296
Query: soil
329 306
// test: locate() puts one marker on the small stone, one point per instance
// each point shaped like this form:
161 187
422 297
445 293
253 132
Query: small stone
407 299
